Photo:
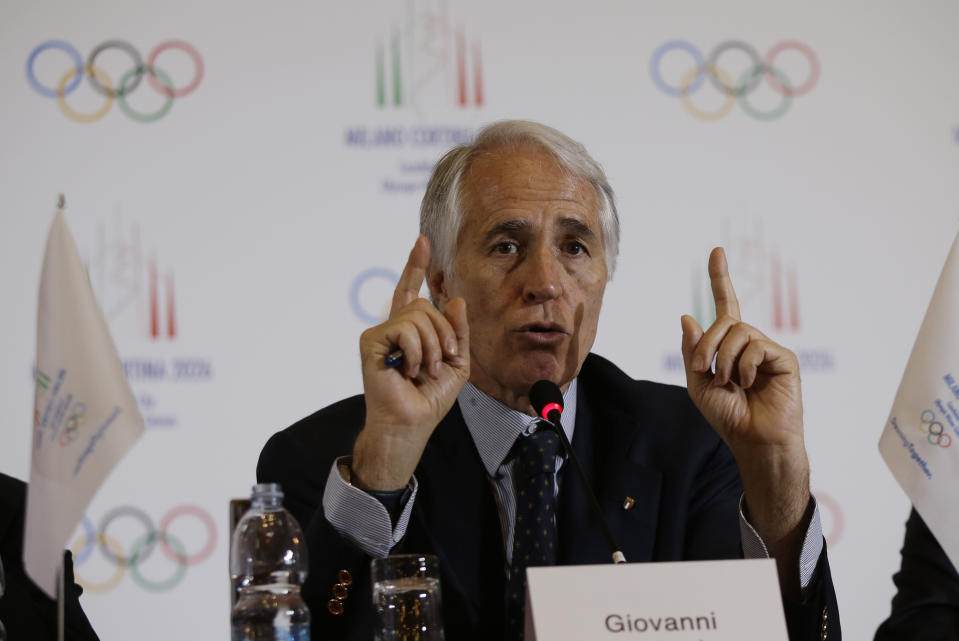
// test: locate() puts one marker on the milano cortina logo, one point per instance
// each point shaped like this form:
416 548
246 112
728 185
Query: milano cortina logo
427 83
431 60
452 55
135 290
767 283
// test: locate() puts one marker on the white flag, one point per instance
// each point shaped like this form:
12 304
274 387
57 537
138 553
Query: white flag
920 442
85 417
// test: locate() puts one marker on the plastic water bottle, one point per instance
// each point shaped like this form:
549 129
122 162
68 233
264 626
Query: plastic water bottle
267 567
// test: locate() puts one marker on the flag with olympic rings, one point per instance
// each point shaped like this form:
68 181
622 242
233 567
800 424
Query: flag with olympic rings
919 442
85 415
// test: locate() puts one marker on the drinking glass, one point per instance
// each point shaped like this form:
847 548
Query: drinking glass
406 597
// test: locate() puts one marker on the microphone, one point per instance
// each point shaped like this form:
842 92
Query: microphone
547 400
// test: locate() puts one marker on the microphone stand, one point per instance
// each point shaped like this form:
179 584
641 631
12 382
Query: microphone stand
553 419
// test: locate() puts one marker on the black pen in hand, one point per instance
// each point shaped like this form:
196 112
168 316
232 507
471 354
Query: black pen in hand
394 359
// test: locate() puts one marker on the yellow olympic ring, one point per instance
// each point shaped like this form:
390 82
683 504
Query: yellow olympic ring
68 111
696 111
115 547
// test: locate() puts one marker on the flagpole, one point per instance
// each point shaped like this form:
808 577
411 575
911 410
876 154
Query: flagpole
61 590
60 595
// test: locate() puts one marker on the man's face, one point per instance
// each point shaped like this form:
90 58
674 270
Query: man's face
531 265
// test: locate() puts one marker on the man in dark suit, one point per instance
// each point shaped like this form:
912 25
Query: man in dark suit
926 605
520 237
25 610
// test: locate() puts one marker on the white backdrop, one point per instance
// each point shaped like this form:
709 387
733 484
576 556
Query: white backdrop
268 210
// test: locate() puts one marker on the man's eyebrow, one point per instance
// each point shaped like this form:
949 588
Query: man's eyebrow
574 225
517 224
577 226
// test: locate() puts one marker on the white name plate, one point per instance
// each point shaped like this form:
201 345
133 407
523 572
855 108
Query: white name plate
684 601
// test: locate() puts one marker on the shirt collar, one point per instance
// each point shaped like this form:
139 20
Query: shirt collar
495 427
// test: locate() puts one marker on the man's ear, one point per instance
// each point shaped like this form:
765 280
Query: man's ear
437 282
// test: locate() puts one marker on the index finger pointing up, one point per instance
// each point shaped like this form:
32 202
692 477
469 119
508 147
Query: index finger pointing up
411 280
723 293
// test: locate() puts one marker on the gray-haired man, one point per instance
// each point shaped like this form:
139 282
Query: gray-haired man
520 237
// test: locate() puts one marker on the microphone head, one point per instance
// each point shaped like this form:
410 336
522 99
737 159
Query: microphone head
545 397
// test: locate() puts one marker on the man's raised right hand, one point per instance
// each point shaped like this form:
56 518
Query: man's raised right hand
405 404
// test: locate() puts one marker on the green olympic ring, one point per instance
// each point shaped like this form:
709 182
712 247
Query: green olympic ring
178 574
122 91
749 76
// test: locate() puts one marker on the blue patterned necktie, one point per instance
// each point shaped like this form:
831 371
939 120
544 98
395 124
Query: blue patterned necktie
534 539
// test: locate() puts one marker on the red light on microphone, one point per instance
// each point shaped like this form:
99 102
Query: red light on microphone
549 408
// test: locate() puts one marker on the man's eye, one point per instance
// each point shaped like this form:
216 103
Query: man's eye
505 247
575 248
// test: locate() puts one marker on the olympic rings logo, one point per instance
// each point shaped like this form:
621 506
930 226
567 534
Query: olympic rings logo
933 429
158 79
142 547
75 420
735 89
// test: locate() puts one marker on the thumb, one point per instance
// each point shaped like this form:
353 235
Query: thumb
455 313
692 333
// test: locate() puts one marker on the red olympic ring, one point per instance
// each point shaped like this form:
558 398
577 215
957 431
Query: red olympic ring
190 51
813 68
207 520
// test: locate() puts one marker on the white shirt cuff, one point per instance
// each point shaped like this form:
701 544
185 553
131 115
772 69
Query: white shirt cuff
755 548
360 517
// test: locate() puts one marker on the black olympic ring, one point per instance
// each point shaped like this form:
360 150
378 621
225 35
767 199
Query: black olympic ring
144 552
756 66
115 44
173 548
103 85
933 429
759 68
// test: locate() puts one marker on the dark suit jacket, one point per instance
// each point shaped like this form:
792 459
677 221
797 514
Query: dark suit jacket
25 610
635 438
926 605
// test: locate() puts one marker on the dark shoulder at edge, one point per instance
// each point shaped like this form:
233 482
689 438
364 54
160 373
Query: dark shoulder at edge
340 421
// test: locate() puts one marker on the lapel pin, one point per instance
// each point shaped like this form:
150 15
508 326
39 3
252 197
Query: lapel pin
628 503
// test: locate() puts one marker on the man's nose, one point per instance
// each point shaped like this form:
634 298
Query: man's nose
543 276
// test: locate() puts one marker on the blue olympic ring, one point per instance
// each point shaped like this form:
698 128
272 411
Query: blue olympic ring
91 533
374 272
661 50
62 46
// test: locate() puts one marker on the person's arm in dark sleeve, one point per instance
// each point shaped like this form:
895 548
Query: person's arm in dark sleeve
716 529
25 610
343 531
